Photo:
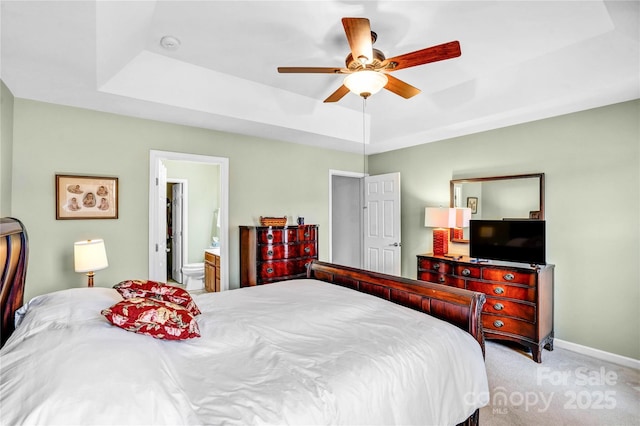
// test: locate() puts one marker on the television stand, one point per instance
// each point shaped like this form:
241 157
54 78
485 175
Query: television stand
519 305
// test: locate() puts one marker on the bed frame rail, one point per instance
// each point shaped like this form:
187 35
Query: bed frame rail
454 305
13 259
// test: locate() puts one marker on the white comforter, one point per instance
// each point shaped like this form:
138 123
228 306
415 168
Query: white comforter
298 352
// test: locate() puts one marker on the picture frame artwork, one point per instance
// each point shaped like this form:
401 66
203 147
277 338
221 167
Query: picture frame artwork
86 197
472 203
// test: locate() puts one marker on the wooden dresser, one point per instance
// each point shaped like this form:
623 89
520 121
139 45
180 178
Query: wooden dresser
519 303
276 253
211 271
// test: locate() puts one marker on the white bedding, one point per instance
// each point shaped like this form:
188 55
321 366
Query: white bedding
295 352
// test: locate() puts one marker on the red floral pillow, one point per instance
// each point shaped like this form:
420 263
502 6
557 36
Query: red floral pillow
158 291
156 318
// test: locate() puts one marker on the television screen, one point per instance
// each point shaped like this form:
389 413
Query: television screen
510 240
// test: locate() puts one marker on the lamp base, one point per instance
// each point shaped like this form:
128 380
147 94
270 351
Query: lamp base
90 280
440 241
458 233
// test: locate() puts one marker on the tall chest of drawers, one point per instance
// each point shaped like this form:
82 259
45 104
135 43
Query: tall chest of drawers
519 305
276 253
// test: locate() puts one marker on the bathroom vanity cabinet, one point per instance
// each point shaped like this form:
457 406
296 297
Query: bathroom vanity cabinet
211 271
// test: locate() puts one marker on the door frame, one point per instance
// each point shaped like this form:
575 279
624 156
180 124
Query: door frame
155 158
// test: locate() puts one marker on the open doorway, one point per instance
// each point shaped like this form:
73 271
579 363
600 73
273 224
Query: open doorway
158 179
177 227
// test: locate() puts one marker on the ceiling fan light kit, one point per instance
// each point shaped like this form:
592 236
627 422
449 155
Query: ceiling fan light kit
365 83
368 69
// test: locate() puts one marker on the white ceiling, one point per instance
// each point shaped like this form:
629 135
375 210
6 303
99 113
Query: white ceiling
521 61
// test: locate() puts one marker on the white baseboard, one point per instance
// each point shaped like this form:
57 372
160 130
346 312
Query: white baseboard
598 354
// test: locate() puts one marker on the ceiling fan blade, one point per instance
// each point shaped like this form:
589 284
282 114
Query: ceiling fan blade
400 88
358 32
338 94
425 56
317 70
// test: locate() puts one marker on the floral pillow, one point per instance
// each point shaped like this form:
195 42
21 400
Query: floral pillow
156 318
158 291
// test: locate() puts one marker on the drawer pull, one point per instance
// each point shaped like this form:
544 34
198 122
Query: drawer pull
498 323
509 277
269 236
307 249
441 279
269 270
466 272
269 252
498 290
498 306
306 234
436 266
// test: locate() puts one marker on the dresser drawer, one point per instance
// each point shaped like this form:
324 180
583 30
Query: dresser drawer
307 233
441 279
508 325
510 308
277 235
435 266
503 290
277 269
467 271
509 276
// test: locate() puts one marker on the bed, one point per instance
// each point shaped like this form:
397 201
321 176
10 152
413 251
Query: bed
343 346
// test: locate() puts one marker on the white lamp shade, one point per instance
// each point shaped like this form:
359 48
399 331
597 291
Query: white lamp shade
463 216
438 217
365 82
89 256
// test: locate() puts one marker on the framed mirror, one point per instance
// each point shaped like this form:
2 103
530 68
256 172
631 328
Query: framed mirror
499 197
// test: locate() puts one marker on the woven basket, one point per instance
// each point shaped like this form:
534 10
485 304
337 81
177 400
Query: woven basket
273 221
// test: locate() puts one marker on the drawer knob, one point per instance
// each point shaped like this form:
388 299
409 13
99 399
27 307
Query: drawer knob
269 270
509 277
436 266
498 290
269 252
269 236
466 272
307 249
498 306
441 279
306 234
498 323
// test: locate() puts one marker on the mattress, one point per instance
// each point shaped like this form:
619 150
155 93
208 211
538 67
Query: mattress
294 352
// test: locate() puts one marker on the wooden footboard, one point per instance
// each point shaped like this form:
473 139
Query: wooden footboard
13 261
456 306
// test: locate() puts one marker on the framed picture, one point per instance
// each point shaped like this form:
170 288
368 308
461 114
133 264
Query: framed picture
472 203
86 197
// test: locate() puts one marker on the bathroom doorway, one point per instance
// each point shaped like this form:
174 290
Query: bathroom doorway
177 227
215 218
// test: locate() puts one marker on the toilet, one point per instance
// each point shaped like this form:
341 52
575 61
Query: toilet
193 276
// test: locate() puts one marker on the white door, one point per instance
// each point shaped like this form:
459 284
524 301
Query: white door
176 232
382 245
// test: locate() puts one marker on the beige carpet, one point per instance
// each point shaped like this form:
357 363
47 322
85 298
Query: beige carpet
567 388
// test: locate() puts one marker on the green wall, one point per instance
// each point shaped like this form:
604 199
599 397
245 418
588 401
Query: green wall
591 163
6 148
265 178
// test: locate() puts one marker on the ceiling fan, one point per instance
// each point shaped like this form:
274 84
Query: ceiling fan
368 69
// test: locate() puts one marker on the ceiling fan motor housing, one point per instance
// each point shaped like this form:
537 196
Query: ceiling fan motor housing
376 64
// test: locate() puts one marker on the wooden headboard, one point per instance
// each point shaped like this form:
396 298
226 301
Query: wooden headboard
13 260
457 306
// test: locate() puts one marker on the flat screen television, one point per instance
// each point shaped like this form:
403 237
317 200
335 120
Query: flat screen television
509 240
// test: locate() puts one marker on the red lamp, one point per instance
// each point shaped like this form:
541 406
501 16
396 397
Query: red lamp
441 219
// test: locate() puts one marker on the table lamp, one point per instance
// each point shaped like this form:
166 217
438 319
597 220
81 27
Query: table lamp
441 219
89 256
